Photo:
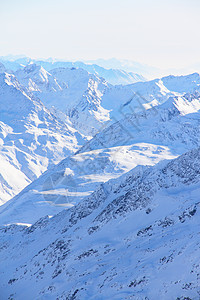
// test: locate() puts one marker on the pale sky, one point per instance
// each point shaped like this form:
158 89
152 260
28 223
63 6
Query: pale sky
162 33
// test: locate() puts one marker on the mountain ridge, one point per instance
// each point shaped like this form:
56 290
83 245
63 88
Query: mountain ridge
101 247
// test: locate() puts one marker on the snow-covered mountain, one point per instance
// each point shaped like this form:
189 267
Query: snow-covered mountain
145 138
90 103
106 183
136 237
31 138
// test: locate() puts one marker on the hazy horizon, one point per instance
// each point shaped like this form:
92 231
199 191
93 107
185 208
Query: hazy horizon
161 34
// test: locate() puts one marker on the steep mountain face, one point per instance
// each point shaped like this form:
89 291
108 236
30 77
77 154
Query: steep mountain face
37 79
31 138
72 92
82 100
136 237
145 138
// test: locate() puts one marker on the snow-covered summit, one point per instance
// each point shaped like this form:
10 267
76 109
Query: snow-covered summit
37 79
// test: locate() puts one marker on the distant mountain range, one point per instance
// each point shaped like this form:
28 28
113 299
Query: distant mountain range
112 75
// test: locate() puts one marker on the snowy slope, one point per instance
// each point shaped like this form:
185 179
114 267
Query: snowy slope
31 138
139 139
136 237
67 183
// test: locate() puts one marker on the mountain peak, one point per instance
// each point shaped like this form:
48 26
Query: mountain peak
34 68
